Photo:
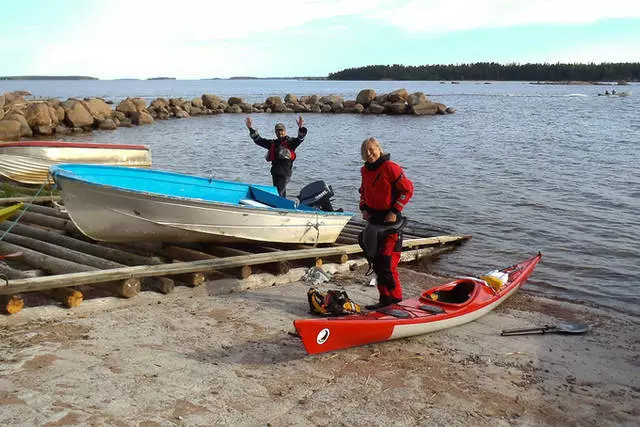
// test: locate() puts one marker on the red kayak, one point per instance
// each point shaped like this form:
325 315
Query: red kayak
445 306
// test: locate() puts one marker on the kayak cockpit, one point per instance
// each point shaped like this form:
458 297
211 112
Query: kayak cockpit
459 293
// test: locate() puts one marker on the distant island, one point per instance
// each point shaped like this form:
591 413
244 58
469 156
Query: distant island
48 78
621 71
161 78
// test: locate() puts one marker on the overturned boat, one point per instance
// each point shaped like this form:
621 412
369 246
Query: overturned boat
445 306
28 162
119 204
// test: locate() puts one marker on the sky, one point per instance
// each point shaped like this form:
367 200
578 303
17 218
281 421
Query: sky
195 39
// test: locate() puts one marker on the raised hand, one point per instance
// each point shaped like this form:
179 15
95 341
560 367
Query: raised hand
300 121
249 123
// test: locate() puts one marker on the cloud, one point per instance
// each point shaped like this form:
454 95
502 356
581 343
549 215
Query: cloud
603 52
206 20
435 16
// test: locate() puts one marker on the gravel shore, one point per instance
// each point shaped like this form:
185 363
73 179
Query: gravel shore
205 357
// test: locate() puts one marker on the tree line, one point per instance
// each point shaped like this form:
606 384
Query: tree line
606 71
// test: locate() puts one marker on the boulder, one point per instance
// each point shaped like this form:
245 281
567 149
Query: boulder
38 114
273 101
399 95
98 108
366 97
43 130
396 107
211 101
374 108
159 103
416 98
76 114
127 106
332 99
25 129
140 118
290 99
9 130
426 108
107 124
234 100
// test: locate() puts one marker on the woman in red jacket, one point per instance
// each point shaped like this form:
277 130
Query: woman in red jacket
384 192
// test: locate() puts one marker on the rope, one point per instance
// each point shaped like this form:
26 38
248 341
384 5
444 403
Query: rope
317 225
26 207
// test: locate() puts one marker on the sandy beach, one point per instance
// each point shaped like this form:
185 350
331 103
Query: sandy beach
207 356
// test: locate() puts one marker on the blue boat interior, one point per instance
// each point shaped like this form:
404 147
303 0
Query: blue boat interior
181 186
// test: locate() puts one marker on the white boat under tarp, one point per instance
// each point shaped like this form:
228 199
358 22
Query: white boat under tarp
28 162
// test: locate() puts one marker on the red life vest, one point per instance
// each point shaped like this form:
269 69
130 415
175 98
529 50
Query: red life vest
283 145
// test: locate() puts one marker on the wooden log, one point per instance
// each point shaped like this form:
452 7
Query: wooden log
50 263
11 273
187 254
191 279
81 278
128 288
164 285
11 304
29 199
356 230
144 249
60 252
69 297
48 221
276 268
95 249
124 287
45 210
347 240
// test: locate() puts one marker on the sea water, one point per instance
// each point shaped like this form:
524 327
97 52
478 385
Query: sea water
520 167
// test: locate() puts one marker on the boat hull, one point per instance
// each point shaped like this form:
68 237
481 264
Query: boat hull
411 317
113 214
29 162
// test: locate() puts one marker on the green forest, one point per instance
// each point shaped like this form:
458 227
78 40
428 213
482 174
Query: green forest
603 72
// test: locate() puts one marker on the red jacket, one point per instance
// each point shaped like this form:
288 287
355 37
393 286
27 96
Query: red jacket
384 189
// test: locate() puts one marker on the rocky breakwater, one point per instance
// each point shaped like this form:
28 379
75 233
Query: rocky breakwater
21 117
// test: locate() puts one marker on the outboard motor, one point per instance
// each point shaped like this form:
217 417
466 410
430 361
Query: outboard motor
317 195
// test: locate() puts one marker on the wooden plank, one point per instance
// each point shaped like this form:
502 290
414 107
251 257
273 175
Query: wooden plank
82 278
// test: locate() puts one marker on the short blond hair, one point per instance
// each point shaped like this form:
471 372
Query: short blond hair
363 149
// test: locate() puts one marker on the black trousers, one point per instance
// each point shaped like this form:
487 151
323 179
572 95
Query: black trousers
280 182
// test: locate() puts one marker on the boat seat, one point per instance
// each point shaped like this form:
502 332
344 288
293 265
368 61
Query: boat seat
460 293
255 204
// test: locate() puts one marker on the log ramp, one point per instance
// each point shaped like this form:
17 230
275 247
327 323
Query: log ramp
53 260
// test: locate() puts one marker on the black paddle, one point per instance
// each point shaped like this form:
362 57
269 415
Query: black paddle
560 328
